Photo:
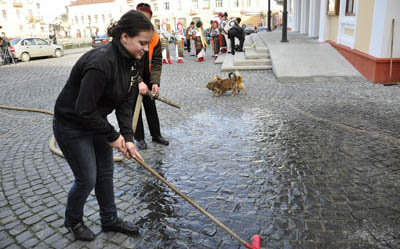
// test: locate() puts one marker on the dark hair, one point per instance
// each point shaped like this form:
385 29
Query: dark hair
132 23
238 20
199 23
226 14
191 23
145 8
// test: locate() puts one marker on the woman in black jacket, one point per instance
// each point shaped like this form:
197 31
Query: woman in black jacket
103 80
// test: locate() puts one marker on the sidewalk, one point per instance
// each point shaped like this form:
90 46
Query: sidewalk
306 59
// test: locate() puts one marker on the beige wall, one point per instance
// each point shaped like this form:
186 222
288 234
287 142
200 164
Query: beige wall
364 25
333 28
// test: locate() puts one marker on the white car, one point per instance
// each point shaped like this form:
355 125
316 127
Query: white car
26 48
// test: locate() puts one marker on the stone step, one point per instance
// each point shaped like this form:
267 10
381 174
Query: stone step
261 49
253 54
220 58
227 65
240 60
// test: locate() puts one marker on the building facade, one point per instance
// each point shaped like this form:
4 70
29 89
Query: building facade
361 30
22 18
89 17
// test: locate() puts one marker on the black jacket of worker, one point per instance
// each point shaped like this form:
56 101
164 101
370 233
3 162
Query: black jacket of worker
150 77
236 32
106 71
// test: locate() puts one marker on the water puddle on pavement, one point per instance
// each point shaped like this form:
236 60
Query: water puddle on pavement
220 160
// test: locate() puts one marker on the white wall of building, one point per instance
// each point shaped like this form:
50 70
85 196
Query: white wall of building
22 18
324 23
393 12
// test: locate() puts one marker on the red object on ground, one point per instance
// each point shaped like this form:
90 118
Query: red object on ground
164 61
180 61
256 242
169 61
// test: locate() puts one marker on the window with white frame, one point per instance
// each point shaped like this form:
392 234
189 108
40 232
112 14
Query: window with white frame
103 17
206 4
248 3
218 3
166 5
195 4
236 3
350 11
179 4
76 19
155 7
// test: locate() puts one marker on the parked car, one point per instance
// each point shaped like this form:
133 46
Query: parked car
249 31
262 29
99 40
26 48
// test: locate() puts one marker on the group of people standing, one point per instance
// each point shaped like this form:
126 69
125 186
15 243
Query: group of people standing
106 79
224 30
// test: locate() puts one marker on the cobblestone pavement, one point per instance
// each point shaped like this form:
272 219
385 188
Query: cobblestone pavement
303 165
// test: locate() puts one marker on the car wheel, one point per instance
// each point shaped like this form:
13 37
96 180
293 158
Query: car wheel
25 57
57 53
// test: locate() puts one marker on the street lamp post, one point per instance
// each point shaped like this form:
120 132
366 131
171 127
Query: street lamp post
269 15
284 24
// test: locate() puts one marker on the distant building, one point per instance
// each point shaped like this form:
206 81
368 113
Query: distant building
252 12
361 30
92 17
22 18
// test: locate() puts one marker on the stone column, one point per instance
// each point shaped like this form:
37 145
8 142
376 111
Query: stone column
324 25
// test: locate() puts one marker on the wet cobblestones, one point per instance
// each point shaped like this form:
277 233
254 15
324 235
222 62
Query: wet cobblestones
303 165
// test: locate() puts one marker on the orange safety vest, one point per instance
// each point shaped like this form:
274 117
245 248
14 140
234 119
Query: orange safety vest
152 45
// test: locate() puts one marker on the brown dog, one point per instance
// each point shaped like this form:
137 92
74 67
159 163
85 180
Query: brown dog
219 85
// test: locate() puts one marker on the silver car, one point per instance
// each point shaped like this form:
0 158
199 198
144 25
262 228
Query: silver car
26 48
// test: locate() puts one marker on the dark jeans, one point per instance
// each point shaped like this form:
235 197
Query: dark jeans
91 159
152 119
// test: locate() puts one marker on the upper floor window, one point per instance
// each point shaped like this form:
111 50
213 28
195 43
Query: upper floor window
350 8
248 3
166 5
76 19
236 3
179 4
103 17
206 4
195 4
218 3
155 6
5 14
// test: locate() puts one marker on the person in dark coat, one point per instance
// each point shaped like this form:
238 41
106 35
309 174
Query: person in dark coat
236 32
103 80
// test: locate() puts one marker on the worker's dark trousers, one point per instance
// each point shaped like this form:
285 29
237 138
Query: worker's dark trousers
232 38
90 157
152 119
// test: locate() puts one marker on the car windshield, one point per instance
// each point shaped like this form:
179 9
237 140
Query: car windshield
14 41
